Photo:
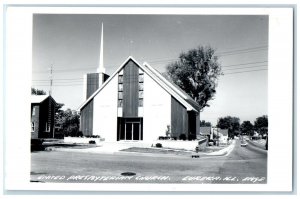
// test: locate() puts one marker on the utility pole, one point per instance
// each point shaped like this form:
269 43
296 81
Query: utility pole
50 104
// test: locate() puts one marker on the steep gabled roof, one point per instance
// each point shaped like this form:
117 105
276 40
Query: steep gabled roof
37 99
176 92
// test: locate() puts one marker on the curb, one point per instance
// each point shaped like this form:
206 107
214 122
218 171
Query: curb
223 152
261 146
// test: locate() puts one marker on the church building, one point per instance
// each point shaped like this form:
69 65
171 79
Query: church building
136 103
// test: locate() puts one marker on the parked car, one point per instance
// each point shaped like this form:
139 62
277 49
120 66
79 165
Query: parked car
244 143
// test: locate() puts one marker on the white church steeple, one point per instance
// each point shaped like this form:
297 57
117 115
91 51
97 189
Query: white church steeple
93 81
101 68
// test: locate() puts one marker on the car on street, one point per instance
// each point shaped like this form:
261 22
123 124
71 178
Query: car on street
243 143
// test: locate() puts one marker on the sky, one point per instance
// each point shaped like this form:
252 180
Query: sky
70 44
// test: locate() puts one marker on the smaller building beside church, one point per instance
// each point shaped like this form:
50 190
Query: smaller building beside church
42 116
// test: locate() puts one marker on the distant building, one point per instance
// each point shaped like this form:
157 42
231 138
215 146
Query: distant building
221 134
206 131
42 116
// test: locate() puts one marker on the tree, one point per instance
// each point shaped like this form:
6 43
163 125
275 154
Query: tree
35 91
196 72
203 123
230 123
68 122
247 128
261 124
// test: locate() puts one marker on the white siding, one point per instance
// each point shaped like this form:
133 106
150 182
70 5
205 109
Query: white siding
157 110
106 110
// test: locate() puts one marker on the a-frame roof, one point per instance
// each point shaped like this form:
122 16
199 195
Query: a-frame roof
173 90
37 99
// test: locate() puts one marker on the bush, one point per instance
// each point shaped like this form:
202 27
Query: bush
37 145
158 145
182 137
161 138
192 137
174 138
92 136
92 142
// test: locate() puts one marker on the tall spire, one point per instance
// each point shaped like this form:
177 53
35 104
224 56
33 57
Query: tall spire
101 68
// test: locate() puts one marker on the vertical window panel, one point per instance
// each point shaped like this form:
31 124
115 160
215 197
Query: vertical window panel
120 79
141 94
141 102
141 77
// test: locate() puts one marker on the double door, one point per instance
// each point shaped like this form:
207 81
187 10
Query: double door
130 129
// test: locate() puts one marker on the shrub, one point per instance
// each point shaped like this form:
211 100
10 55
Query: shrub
37 145
161 138
192 137
158 145
92 142
182 137
174 138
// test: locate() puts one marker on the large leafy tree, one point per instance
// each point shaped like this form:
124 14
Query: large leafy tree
196 72
261 124
230 123
247 128
67 122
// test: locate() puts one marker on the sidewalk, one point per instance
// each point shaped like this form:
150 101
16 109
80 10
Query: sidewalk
116 148
258 143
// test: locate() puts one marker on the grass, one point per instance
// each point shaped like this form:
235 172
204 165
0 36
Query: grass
158 151
73 146
171 151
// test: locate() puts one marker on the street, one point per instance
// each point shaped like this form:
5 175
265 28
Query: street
242 165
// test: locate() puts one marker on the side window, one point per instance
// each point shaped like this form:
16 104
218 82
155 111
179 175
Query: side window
33 110
47 127
120 90
141 90
32 127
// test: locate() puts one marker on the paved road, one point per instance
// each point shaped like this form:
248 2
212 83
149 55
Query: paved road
242 165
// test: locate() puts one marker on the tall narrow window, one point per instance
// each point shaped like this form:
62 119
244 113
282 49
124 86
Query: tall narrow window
32 126
120 91
47 127
141 89
33 110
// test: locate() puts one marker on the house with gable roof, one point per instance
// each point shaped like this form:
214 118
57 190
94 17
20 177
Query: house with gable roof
42 116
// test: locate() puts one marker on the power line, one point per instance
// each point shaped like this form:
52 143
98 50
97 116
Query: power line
258 48
244 71
244 67
74 80
249 63
59 79
95 84
167 60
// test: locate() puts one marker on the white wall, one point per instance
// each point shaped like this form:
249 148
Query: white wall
157 110
105 111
